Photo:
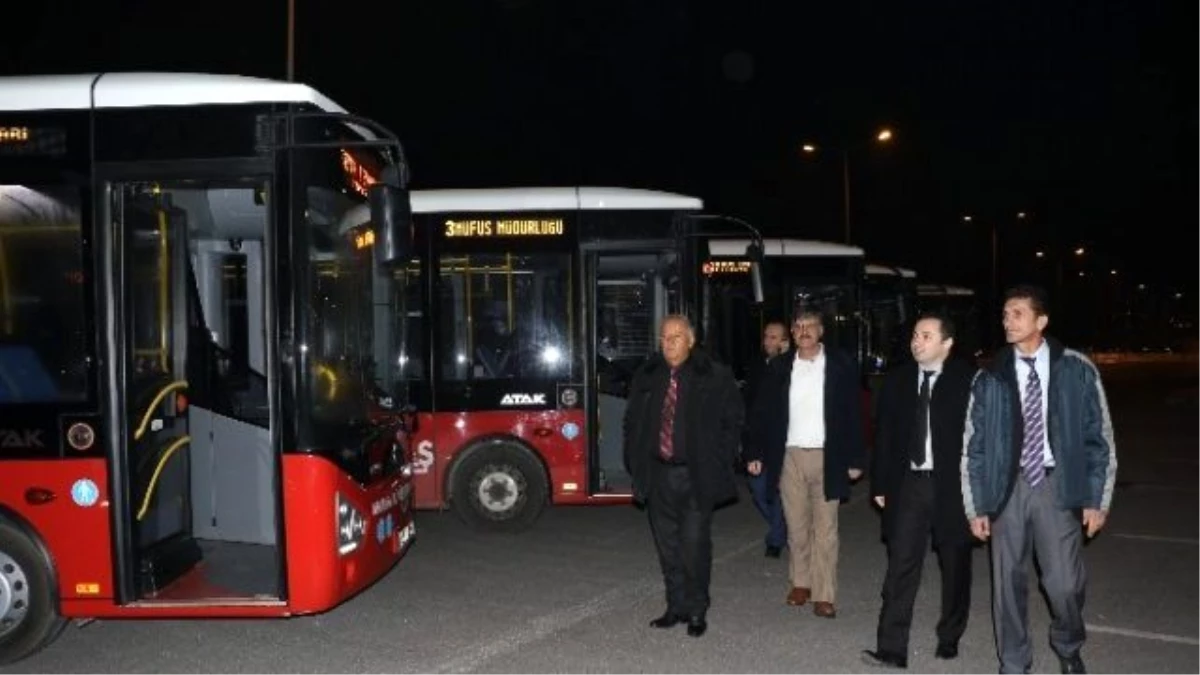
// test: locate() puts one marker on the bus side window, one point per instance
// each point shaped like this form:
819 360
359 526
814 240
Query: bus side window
506 316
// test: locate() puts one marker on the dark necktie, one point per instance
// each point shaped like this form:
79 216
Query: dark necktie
1032 461
918 448
666 435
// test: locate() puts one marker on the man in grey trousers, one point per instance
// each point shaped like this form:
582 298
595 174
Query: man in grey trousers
1039 464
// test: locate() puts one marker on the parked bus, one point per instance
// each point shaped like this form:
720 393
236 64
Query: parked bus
186 384
889 306
526 312
796 274
961 305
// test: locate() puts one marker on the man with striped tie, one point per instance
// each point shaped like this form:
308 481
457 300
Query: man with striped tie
682 427
1039 465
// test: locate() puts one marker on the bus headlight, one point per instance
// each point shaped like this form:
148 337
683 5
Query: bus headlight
351 526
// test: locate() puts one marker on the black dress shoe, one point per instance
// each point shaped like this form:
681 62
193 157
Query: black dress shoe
666 620
1073 664
947 650
772 551
882 658
696 626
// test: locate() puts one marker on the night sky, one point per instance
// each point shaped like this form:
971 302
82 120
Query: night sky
1081 113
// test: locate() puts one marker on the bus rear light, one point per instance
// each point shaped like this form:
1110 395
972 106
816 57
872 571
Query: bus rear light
351 526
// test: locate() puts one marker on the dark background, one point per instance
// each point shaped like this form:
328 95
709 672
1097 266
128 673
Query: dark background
1082 114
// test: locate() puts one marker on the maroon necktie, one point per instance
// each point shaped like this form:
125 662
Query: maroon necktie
666 435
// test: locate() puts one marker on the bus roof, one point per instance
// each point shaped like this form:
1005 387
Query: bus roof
938 289
136 90
783 247
549 199
889 271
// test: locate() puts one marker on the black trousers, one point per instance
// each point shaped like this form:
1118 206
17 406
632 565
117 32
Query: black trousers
908 541
683 536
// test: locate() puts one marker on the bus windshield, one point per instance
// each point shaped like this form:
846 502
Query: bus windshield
348 302
43 345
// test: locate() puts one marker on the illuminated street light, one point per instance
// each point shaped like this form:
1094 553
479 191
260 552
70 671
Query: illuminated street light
884 135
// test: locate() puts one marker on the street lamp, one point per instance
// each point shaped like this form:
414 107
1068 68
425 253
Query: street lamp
884 135
995 236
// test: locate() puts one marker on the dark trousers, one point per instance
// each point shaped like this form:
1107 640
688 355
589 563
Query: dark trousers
770 505
908 541
683 536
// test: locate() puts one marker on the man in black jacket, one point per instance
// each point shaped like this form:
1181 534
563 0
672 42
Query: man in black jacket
915 480
767 500
681 435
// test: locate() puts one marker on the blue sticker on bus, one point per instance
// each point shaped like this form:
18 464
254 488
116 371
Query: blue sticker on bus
570 430
84 492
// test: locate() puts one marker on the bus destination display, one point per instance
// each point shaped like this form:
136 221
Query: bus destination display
26 141
504 227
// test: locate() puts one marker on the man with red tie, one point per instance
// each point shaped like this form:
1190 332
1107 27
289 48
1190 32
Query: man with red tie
682 427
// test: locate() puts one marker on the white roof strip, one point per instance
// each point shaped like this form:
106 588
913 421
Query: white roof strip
549 199
889 271
783 247
137 90
937 289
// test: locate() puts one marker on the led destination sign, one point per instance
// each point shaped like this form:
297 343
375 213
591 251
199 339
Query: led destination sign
505 227
726 267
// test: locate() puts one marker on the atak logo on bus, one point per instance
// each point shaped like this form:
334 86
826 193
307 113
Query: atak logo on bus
523 399
21 439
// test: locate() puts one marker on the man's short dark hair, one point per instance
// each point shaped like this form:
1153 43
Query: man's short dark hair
944 321
1038 299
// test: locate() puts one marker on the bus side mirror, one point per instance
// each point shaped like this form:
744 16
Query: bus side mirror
755 253
391 213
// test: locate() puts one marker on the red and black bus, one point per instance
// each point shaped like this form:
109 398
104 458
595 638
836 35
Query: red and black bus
527 312
189 405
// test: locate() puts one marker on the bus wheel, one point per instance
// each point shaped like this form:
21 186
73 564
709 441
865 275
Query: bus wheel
29 617
500 487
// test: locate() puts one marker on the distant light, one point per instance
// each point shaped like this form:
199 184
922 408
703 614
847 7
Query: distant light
1021 214
1079 251
1141 287
551 355
1114 273
966 219
809 148
1040 254
884 136
1081 274
1178 296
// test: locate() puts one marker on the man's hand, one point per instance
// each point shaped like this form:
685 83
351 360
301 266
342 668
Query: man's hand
879 501
1093 520
855 474
981 527
754 468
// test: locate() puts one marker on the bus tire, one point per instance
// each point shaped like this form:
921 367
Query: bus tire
29 618
499 487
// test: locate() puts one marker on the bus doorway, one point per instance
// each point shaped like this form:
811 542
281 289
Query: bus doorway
203 472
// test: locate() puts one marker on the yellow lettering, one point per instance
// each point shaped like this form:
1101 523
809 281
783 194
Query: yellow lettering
91 588
505 228
14 134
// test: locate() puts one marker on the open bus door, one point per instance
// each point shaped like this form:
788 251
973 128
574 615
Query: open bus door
632 291
200 465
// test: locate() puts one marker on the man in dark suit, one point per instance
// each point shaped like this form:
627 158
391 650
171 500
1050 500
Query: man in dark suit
767 500
807 432
915 480
681 436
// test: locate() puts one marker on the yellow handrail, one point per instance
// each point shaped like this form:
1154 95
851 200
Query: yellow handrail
175 445
162 393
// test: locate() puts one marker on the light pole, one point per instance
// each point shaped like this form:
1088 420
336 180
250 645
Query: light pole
883 136
291 40
994 284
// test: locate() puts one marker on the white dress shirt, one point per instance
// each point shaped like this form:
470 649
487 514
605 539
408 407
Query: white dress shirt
1042 364
806 403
